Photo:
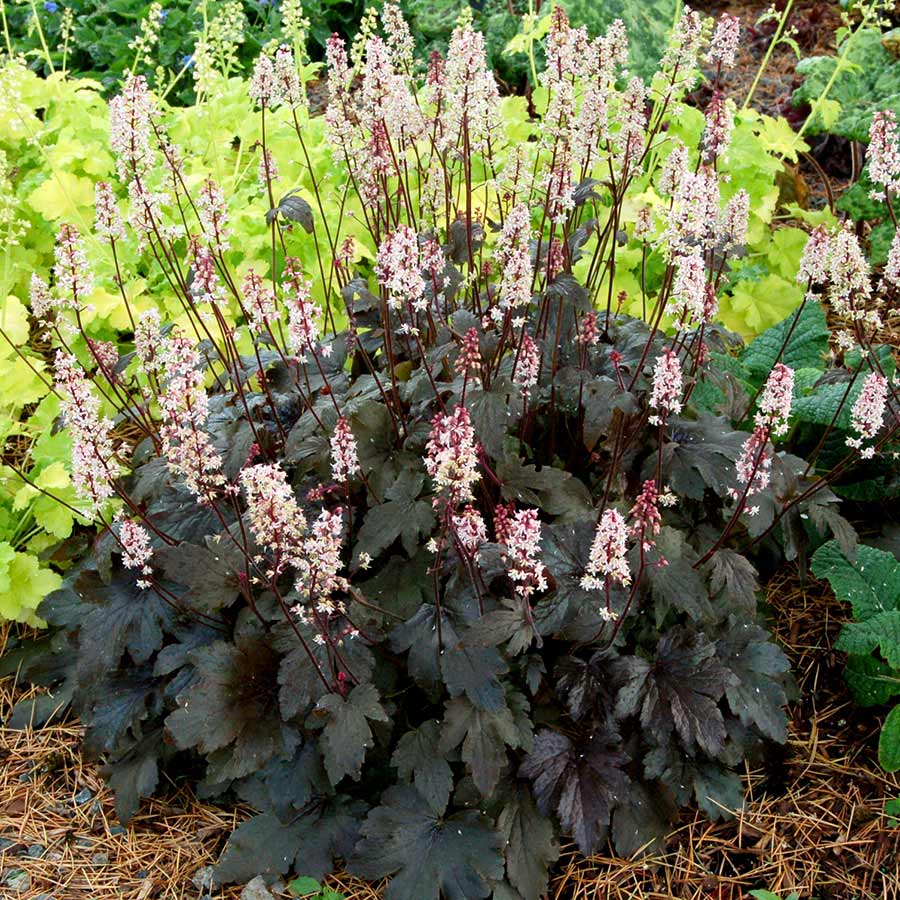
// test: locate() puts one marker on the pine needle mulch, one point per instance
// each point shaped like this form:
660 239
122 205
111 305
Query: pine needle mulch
813 821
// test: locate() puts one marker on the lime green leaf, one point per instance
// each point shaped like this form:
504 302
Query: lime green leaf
62 196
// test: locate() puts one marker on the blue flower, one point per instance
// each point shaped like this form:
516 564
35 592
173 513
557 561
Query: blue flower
163 15
187 60
50 6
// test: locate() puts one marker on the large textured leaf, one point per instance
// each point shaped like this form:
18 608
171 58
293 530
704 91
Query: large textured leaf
805 349
870 82
873 682
679 690
581 782
484 737
871 585
431 857
347 736
232 706
881 632
889 741
265 846
419 758
530 845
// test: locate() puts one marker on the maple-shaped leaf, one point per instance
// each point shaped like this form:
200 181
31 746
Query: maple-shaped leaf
679 689
419 758
642 819
530 844
402 516
268 847
473 671
300 683
233 704
285 786
422 638
429 856
211 577
677 584
701 456
115 706
584 686
756 694
121 617
511 624
484 737
580 781
718 791
732 574
346 735
133 772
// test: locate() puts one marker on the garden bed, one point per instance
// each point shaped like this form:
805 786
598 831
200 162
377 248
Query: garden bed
814 818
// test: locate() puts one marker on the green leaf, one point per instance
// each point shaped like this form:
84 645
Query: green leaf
304 885
347 735
805 349
431 857
868 81
872 681
881 631
871 585
889 742
418 757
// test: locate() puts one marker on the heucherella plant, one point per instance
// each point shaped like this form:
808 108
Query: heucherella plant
467 560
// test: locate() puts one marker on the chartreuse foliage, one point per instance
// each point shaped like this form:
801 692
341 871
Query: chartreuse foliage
870 582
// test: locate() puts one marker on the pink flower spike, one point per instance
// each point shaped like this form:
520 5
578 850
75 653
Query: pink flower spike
668 384
775 401
276 519
344 455
136 549
451 455
867 415
608 553
884 154
724 44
